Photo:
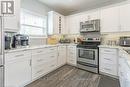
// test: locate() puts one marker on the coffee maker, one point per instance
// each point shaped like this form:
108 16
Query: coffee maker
20 40
8 41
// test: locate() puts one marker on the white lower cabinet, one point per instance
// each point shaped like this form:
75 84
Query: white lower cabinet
23 67
71 55
62 51
108 62
18 70
43 61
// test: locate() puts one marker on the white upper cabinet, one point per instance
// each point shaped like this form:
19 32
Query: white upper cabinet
73 21
115 19
125 17
110 20
56 23
73 24
12 22
91 15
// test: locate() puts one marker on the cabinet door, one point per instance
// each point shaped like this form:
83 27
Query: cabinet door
17 73
125 17
73 24
110 20
63 29
108 61
71 55
62 55
55 23
94 15
12 23
91 15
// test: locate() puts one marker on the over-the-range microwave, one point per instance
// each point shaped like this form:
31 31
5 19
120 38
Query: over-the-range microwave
90 26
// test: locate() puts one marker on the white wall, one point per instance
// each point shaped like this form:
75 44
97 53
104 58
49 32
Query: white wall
36 7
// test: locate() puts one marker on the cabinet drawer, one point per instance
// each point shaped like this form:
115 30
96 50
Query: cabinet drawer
71 47
108 51
38 61
53 55
111 59
62 48
38 71
17 55
108 61
51 49
71 52
38 51
43 58
44 50
51 65
109 71
72 61
108 68
71 57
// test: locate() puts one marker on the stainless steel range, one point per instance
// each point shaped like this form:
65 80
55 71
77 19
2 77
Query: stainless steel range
87 54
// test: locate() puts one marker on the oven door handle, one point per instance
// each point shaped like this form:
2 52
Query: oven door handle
87 64
87 49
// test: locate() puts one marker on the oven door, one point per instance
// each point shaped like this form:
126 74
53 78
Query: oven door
89 56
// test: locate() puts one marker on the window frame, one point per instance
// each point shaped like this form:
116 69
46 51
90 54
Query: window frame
35 14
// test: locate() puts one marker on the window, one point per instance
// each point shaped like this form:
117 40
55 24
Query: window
33 24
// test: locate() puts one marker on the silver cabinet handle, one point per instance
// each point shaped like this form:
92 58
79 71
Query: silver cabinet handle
30 62
52 65
107 50
39 60
71 53
19 55
71 60
51 49
18 24
108 59
107 69
39 51
52 56
39 71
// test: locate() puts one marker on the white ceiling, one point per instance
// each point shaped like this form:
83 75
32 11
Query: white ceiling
67 7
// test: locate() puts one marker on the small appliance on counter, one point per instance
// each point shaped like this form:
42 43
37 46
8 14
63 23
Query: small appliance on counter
64 41
20 40
124 41
8 42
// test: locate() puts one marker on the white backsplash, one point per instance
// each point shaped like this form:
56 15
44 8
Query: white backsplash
37 41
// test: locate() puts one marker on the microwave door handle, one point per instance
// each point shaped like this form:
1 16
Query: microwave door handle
87 49
94 26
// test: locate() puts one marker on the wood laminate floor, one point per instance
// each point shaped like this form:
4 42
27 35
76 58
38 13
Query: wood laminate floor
68 76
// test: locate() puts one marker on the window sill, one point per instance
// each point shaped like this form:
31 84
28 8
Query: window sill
37 36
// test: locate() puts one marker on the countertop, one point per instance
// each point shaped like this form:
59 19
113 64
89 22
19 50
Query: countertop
36 47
